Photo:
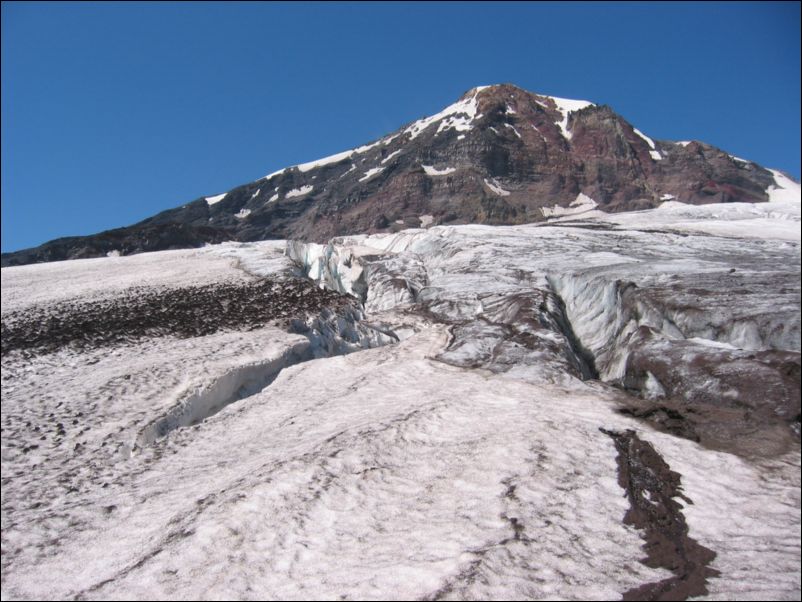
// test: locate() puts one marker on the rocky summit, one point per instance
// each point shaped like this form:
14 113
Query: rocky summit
499 155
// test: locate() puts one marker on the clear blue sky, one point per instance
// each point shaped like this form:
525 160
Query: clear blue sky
112 112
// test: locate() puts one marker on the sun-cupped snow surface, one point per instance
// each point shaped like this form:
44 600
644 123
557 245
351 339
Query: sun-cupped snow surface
433 171
79 279
443 466
383 474
259 259
777 219
211 200
405 485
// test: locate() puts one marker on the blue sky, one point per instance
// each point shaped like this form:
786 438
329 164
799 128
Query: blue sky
112 112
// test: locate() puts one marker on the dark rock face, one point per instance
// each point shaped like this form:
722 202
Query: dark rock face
498 156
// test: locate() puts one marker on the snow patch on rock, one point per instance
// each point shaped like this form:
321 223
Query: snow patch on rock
331 159
581 204
215 199
371 172
512 127
653 153
433 171
296 192
390 156
784 189
496 187
459 116
566 106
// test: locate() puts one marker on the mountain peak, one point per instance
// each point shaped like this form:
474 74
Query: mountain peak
498 155
509 91
496 90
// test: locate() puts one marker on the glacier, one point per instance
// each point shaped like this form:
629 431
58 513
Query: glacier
407 416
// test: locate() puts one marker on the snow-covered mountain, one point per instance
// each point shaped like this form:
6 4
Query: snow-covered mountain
597 406
499 155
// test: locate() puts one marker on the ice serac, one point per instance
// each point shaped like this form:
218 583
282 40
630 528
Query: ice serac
701 324
498 155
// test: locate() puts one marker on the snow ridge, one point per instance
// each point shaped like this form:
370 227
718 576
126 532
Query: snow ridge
458 116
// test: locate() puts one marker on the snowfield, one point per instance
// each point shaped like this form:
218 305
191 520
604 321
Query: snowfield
454 452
